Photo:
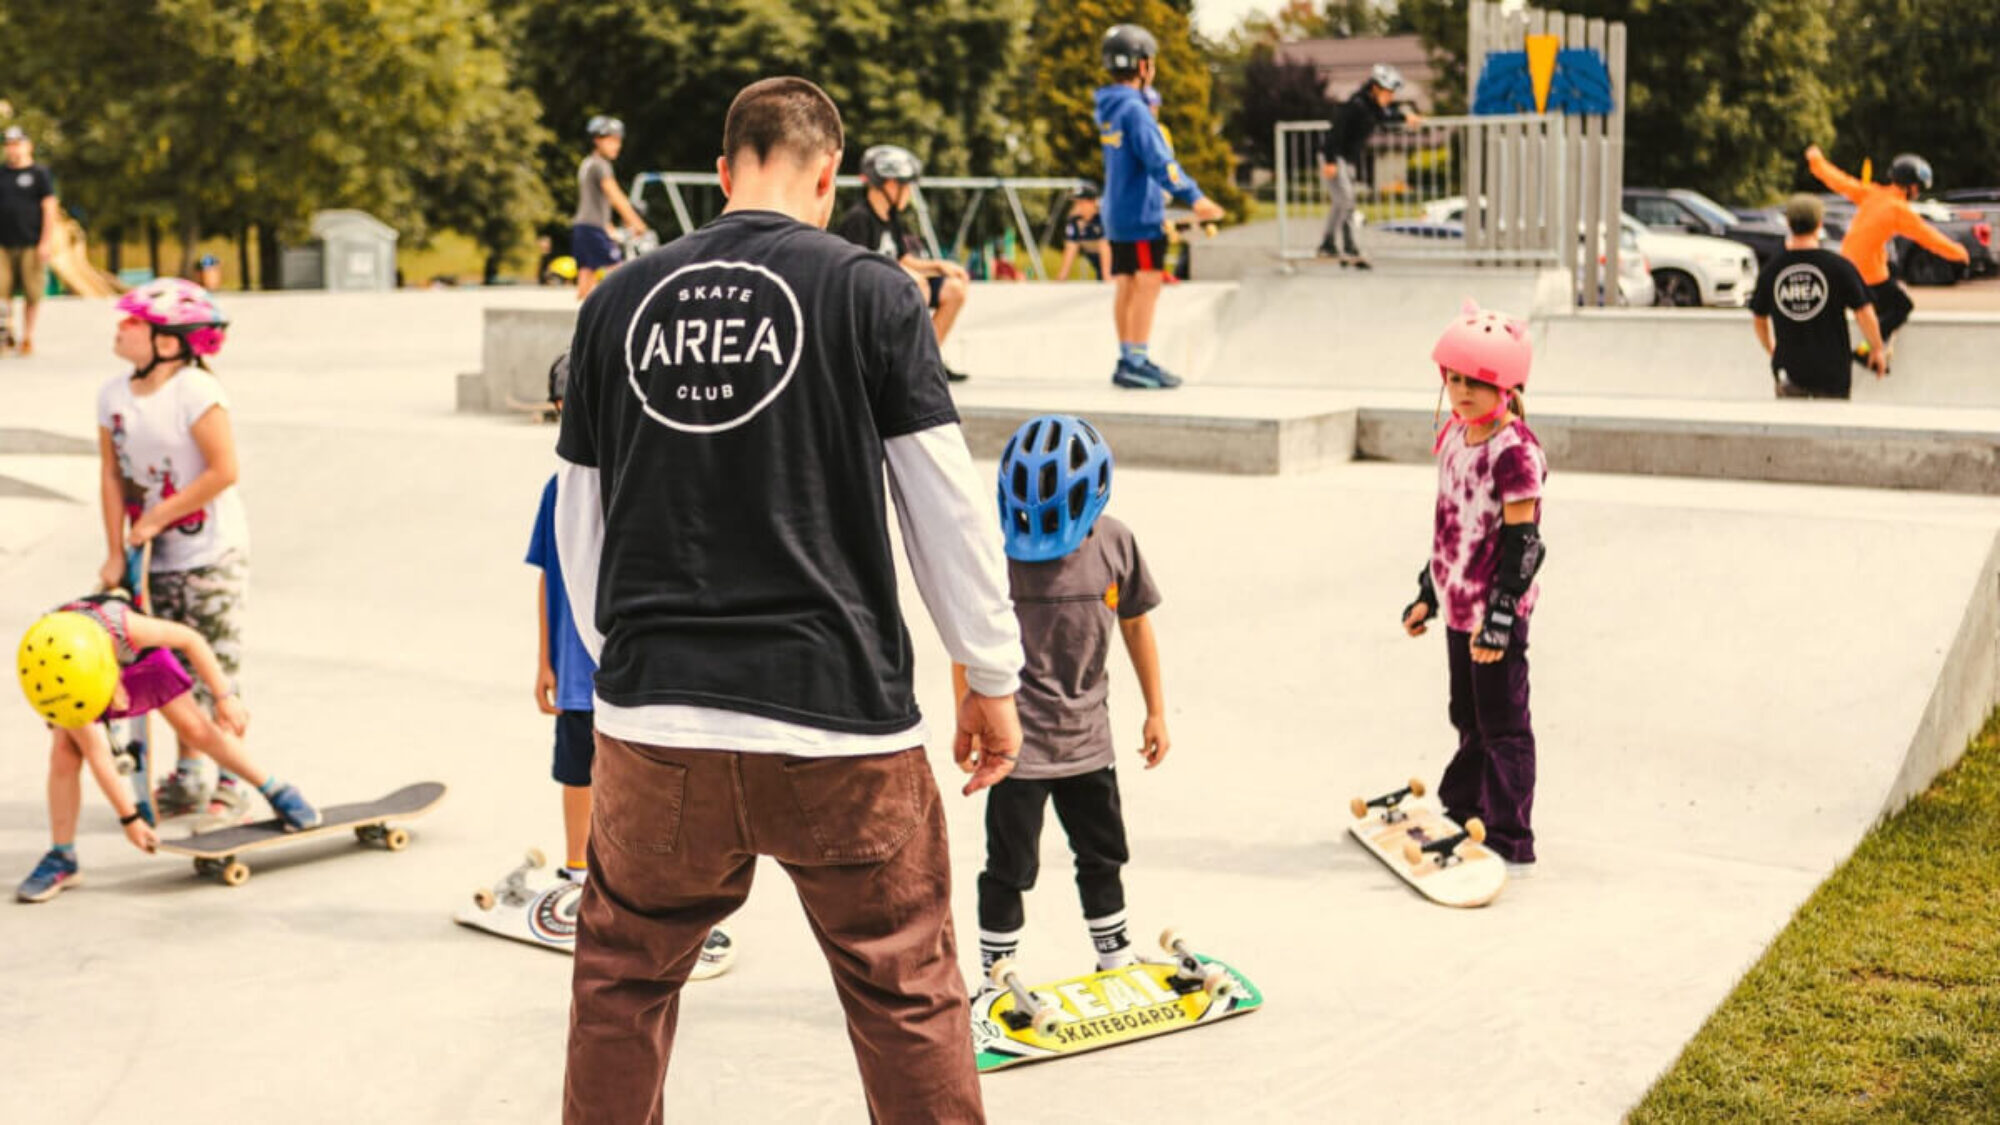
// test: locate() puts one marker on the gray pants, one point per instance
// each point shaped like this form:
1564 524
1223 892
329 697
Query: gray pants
1338 238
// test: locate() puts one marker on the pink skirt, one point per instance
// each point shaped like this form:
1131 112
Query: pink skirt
151 682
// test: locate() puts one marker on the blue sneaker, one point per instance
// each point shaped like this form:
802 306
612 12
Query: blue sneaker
55 874
1145 375
287 802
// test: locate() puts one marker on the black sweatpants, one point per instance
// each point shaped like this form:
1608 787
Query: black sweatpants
1892 306
1089 809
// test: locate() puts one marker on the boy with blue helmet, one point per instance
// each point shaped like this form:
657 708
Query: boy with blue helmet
1138 167
1073 572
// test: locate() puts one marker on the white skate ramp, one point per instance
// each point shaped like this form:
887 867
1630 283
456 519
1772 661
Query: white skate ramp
1729 681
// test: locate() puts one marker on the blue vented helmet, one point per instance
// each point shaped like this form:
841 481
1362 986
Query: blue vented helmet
1055 478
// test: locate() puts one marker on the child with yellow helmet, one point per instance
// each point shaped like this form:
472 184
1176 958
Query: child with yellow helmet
95 659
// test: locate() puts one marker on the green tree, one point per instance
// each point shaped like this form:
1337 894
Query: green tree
210 116
1067 69
1919 77
1722 95
1442 24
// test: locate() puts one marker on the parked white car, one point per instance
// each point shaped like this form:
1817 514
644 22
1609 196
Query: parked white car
1444 218
1685 269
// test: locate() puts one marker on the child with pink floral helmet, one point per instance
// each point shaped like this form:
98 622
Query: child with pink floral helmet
1485 549
169 471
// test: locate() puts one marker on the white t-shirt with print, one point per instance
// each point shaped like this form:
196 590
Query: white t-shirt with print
157 457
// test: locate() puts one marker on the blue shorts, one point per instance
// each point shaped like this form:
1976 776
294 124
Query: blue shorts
576 747
592 247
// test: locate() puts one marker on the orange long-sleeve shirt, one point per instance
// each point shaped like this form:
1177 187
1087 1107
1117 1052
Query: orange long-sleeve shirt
1880 213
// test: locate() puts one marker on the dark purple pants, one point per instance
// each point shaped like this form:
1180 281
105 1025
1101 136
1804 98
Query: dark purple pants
1492 776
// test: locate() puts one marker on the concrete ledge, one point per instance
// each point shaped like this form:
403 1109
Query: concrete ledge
1968 687
1937 460
1241 446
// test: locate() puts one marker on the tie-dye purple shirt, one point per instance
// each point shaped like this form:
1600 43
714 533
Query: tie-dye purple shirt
1475 483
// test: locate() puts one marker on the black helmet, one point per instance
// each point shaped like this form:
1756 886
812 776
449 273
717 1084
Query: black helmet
883 163
1087 189
1909 168
559 377
1125 45
602 126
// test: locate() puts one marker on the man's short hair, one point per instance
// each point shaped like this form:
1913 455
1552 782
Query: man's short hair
789 114
1804 214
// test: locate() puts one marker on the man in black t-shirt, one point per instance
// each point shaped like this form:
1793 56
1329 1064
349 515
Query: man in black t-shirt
1807 290
734 401
875 222
28 217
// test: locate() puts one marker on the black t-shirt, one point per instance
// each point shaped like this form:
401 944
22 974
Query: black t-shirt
1807 293
1354 122
21 193
734 390
862 227
1079 230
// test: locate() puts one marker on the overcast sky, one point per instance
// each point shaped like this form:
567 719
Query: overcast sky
1216 17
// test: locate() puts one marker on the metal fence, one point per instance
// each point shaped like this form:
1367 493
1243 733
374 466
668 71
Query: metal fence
1413 197
696 197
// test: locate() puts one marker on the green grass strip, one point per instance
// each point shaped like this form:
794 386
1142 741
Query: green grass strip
1881 1000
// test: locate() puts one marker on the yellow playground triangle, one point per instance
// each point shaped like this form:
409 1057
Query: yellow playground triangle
1542 66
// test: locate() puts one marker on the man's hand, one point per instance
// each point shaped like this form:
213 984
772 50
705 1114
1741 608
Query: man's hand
1878 362
232 716
545 690
142 836
1208 210
988 741
1330 170
1154 741
953 269
1813 153
1414 618
1412 117
112 575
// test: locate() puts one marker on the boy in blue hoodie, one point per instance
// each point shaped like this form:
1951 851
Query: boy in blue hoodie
1138 166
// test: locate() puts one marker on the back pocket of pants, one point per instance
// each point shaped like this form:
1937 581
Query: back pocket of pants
858 810
636 799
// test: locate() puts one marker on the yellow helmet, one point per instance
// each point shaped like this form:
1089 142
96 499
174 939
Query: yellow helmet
69 669
563 267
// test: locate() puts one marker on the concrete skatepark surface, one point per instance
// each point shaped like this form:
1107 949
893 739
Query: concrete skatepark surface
1732 682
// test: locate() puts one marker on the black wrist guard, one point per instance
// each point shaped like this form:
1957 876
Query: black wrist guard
1497 631
1427 595
126 821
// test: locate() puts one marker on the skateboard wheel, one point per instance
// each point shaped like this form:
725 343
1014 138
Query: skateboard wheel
1001 970
1046 1021
1417 787
536 859
483 899
1218 983
1413 853
396 839
1169 938
235 873
1476 828
1358 807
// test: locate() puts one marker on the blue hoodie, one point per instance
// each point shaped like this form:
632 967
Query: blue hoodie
1138 166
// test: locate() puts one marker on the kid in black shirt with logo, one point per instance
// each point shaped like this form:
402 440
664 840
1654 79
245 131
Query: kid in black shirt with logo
1806 291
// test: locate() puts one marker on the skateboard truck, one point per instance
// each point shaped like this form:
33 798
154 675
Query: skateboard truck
1195 974
1029 1010
514 891
1445 851
1389 803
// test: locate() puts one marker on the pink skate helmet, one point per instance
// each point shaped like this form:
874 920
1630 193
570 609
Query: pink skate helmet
1489 346
175 307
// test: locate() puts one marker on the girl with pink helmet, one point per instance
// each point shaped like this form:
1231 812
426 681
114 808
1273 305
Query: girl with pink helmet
169 472
1485 550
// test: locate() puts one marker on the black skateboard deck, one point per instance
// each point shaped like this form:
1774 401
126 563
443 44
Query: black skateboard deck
215 852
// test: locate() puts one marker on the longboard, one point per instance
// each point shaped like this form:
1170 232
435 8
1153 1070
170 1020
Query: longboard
533 905
1444 862
215 853
1014 1023
131 739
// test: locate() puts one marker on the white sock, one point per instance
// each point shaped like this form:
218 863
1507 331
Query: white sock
994 947
1107 934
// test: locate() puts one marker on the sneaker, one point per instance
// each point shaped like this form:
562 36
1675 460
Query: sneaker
1520 870
573 875
288 803
1327 250
181 793
718 953
228 805
1144 375
55 874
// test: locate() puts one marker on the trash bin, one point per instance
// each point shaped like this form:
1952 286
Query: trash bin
350 251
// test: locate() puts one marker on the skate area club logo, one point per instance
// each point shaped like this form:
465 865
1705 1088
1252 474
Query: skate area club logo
1800 291
712 345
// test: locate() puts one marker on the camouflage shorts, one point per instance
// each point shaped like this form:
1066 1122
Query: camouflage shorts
210 600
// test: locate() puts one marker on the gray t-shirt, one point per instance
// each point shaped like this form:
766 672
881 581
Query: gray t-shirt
592 207
1068 609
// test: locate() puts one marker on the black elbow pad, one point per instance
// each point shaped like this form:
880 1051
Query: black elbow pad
1521 555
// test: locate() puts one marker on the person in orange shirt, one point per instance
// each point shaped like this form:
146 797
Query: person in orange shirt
1882 211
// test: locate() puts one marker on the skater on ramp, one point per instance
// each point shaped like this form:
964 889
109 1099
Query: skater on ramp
735 399
1882 211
